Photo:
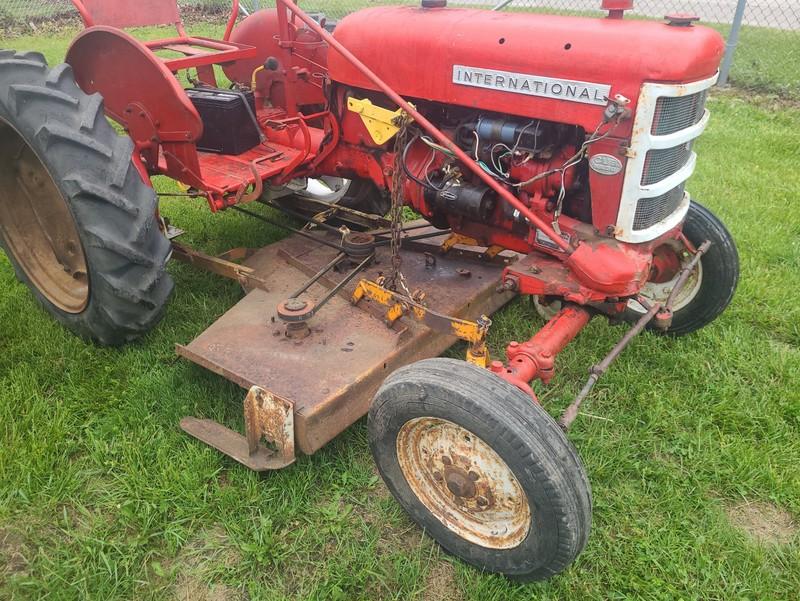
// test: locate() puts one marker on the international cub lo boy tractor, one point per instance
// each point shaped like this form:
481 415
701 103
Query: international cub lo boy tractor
544 156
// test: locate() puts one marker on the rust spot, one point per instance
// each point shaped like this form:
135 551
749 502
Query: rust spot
463 482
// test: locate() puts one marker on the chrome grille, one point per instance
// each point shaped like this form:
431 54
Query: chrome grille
649 211
674 113
660 164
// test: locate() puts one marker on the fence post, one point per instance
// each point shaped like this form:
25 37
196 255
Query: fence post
733 41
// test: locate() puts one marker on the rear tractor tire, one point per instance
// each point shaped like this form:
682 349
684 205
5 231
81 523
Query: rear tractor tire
481 468
77 221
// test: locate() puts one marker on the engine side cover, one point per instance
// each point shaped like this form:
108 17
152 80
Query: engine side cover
533 65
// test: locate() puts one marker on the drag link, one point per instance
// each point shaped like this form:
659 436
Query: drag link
661 314
685 273
663 319
596 372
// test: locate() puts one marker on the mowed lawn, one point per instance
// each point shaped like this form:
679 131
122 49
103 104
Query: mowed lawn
692 445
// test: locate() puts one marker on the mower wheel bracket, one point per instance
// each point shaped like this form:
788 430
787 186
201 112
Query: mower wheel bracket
267 418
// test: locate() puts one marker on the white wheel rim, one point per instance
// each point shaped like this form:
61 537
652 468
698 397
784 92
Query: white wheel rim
463 482
547 312
660 292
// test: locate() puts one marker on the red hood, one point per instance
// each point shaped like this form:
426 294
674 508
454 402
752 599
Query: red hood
414 50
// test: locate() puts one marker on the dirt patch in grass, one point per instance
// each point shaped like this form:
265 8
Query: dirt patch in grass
13 553
768 102
208 551
764 522
191 588
440 585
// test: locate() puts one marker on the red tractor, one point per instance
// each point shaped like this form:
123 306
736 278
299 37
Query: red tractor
547 156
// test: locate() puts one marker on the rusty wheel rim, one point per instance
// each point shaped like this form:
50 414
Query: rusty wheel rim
37 226
463 482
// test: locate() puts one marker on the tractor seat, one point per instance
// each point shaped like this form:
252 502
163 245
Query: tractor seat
195 51
200 52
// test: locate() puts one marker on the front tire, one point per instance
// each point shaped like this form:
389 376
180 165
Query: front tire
484 470
77 221
711 285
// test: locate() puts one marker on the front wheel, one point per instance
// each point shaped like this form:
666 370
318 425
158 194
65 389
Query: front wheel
484 470
712 284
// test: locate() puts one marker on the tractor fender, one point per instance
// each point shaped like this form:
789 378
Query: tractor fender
138 90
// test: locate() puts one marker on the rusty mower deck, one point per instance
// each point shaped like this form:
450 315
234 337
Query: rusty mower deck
305 391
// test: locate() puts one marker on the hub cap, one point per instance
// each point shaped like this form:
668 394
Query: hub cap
463 482
37 226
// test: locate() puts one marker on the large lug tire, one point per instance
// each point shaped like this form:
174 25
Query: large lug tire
711 285
481 468
77 221
356 194
364 196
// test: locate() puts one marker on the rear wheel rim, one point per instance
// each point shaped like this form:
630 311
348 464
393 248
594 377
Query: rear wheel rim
327 189
38 227
463 482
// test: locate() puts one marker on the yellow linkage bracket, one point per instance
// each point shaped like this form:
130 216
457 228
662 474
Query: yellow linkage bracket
473 332
455 239
382 124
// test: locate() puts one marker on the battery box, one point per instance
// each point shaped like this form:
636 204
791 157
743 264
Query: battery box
228 128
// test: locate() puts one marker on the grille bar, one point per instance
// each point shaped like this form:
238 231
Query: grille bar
650 211
674 113
662 163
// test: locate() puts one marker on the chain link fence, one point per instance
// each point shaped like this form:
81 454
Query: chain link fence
763 35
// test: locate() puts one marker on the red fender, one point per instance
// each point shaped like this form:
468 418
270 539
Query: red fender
140 93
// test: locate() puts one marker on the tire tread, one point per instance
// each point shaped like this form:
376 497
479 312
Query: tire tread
115 210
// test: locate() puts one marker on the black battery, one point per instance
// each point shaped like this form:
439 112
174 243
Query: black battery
228 127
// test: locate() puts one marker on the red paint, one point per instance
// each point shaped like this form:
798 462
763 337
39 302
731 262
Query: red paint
666 264
261 31
535 359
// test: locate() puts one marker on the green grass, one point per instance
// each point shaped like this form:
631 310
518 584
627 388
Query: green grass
103 497
766 60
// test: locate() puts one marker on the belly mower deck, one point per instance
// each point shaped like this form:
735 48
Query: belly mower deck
303 391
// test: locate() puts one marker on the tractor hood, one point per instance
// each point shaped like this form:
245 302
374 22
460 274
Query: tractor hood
526 64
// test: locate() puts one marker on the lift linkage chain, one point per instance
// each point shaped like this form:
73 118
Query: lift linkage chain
396 215
472 332
384 289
